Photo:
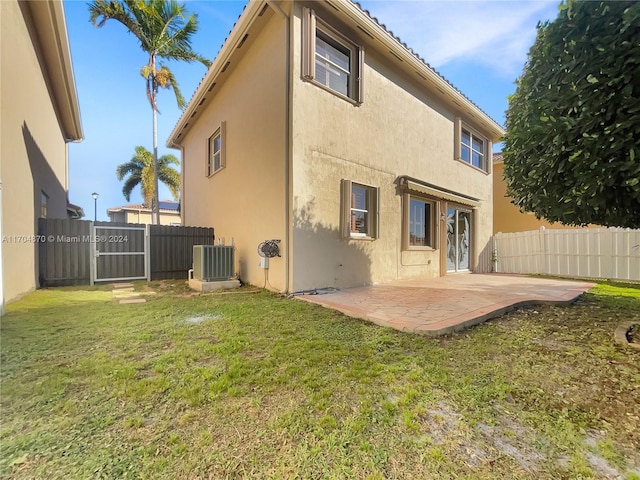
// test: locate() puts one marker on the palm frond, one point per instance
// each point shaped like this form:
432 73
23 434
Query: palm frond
166 79
148 184
167 160
171 178
132 182
143 156
102 10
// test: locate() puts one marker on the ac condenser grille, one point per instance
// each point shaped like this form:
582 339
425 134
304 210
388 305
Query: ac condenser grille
212 262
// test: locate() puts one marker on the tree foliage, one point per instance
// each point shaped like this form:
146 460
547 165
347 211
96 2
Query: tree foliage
139 171
572 148
164 30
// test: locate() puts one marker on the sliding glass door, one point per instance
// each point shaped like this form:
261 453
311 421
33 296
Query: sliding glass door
458 239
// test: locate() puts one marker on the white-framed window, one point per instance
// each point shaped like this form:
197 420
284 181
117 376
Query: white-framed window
216 151
471 147
360 216
420 224
330 59
44 200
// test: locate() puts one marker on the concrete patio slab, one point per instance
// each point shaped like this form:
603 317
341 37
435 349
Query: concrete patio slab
443 305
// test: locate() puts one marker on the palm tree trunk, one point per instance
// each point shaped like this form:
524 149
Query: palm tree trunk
155 208
155 211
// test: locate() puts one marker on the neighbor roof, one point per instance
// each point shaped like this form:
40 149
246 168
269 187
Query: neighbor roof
369 25
167 206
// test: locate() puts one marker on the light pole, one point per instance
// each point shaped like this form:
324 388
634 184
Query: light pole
95 206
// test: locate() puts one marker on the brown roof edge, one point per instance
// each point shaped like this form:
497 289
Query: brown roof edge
245 20
360 17
51 31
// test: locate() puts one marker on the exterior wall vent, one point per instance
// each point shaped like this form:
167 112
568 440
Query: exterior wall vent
213 262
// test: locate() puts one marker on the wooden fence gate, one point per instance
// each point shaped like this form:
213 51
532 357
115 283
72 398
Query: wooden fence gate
121 253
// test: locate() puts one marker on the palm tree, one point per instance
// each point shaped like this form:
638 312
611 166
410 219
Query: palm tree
139 171
164 32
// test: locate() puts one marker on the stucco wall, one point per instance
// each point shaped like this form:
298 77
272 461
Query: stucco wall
143 217
244 200
398 130
506 216
33 154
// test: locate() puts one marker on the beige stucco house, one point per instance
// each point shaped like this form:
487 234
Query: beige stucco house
507 218
317 127
40 115
138 213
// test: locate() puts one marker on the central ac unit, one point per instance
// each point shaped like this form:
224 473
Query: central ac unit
213 262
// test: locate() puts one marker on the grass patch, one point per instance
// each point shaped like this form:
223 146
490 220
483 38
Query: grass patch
265 387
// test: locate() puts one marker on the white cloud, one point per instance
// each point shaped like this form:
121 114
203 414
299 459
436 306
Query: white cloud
497 33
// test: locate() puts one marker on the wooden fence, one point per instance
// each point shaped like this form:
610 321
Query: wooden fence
64 252
171 251
77 252
606 253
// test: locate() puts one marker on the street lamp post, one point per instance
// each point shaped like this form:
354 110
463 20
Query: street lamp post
95 206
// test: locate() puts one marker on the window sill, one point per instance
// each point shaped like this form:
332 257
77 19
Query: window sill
366 238
419 249
355 103
473 166
216 172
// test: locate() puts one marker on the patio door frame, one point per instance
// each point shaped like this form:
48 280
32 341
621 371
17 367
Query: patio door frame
444 239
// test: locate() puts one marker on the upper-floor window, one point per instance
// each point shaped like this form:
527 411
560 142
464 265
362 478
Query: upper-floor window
215 157
330 59
471 147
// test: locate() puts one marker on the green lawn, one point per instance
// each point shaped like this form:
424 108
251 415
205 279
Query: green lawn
252 385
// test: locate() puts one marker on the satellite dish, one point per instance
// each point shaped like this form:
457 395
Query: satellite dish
269 249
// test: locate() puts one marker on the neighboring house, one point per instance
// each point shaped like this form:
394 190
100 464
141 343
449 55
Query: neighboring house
39 116
508 218
317 127
138 213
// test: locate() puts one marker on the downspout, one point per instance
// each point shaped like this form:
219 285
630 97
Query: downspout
289 147
182 189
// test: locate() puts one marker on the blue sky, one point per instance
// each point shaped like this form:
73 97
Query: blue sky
479 46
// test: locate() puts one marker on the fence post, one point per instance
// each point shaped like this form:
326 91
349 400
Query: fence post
147 251
612 255
542 242
92 254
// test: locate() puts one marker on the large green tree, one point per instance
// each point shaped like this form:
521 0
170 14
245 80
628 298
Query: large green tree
164 30
140 171
572 148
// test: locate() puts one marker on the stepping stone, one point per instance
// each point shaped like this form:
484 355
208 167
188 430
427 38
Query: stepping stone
122 290
127 295
120 286
132 300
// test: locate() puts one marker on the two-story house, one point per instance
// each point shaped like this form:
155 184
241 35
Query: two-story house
317 127
39 117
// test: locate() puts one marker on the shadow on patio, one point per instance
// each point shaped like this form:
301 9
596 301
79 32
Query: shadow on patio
443 305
